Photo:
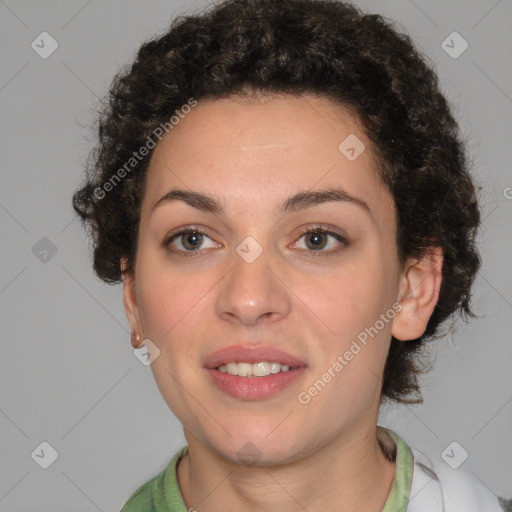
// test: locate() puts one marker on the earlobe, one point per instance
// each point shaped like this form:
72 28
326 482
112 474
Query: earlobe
419 292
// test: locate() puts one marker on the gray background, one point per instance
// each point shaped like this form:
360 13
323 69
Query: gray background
68 373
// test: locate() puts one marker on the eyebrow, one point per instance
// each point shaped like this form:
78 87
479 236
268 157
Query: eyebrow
299 201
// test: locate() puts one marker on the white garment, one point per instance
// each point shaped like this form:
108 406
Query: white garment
438 488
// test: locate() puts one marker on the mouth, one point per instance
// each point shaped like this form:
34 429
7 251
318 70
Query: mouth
253 373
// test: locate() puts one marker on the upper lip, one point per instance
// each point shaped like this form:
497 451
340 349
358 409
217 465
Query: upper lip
239 353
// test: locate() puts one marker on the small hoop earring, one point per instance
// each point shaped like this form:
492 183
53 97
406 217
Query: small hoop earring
137 339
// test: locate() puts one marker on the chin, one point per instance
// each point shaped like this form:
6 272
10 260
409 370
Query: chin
259 449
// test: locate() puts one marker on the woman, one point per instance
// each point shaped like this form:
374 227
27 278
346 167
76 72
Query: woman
282 190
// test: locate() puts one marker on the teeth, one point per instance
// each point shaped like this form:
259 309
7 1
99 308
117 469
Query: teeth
244 369
275 367
261 369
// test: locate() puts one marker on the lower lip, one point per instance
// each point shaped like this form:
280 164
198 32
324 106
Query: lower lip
254 388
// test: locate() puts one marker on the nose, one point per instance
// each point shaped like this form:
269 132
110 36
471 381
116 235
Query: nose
255 292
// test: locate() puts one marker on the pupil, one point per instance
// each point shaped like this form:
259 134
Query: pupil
316 239
196 237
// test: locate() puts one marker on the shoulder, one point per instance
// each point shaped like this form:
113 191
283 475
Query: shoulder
458 490
160 492
142 499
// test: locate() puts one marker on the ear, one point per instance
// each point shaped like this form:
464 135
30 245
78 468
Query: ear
131 307
420 284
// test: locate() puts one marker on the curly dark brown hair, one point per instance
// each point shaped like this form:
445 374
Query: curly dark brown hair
326 47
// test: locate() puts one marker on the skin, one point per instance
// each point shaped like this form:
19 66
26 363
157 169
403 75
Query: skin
252 155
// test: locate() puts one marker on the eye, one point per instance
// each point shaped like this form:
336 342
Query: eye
317 238
190 239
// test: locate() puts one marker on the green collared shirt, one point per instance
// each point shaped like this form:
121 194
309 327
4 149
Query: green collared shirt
162 493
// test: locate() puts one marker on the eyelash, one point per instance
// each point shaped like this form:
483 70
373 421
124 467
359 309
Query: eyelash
318 228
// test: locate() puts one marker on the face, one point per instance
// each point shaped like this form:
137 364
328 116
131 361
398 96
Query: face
258 270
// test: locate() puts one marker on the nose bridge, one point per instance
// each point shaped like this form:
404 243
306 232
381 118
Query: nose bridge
252 289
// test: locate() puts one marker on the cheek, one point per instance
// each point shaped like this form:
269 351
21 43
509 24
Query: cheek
346 301
173 315
167 301
174 308
355 346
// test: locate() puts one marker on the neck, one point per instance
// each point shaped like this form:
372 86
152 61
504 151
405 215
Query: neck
349 473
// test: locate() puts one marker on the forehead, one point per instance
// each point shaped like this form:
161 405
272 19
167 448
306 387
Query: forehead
254 153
